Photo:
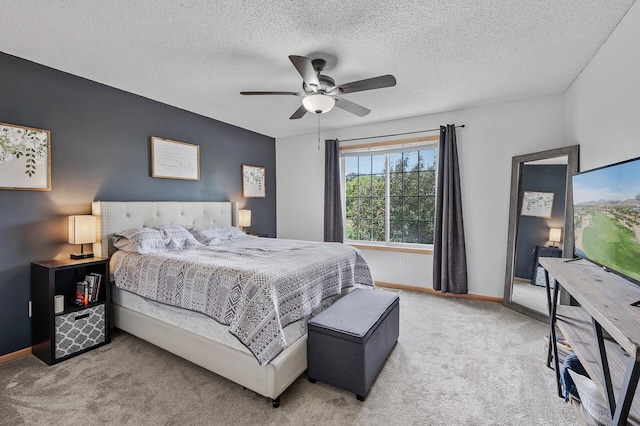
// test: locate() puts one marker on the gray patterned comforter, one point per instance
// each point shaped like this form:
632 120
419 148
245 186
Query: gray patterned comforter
257 286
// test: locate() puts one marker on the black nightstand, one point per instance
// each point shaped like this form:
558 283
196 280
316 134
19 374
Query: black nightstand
59 336
537 274
258 234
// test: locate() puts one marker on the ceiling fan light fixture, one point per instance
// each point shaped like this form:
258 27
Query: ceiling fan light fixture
319 103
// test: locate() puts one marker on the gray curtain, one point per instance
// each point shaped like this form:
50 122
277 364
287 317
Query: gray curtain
333 228
449 256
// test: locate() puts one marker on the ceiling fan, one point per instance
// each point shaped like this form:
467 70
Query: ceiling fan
320 92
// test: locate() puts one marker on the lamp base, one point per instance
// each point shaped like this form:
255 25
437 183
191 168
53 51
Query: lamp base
81 255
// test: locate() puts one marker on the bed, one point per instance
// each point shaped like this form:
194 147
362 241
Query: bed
192 335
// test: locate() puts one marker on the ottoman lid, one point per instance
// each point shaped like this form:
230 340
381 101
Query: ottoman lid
356 313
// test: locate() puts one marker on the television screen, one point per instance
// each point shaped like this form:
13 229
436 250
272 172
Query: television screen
606 212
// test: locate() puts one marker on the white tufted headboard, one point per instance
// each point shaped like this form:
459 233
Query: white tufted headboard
116 216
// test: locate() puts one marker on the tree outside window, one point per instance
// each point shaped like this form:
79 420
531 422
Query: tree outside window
390 197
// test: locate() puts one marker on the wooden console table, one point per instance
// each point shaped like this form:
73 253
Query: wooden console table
604 331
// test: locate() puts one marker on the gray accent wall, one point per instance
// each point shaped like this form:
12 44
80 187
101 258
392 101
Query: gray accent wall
100 150
534 231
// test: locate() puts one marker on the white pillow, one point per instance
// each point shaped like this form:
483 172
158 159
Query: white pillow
122 243
155 239
216 234
142 240
178 237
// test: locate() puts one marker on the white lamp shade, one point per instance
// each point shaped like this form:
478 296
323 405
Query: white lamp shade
82 229
318 104
244 218
555 234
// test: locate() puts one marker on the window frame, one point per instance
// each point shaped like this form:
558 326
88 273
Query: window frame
384 148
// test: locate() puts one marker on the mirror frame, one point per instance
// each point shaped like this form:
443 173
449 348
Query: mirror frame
517 166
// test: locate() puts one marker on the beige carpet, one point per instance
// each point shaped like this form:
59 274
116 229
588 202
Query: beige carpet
530 295
457 362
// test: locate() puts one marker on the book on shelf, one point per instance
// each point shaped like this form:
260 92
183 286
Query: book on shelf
82 293
88 291
91 282
96 286
563 343
563 346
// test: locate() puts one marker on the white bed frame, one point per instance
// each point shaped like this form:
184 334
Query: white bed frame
269 380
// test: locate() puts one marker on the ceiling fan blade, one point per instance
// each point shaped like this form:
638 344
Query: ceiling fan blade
351 107
368 84
300 112
273 93
305 68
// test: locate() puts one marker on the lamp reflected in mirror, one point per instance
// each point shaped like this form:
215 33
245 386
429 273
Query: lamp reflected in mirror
555 234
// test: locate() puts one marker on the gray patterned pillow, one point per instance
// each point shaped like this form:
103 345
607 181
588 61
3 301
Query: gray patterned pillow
216 234
178 237
142 240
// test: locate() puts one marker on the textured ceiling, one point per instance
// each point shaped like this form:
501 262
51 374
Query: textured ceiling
198 55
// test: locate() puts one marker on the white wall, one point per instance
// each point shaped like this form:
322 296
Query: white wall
603 104
493 134
600 112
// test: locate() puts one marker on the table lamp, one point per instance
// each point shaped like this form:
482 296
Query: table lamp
244 218
82 230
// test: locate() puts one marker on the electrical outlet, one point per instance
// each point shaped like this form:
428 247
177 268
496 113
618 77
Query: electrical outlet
29 308
403 263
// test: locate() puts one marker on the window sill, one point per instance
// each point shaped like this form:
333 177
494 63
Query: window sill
392 248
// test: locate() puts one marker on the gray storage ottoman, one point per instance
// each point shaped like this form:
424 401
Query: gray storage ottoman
351 339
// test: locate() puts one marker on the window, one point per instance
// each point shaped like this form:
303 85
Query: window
389 193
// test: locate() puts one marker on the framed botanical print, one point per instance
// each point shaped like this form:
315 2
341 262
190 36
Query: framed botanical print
253 182
538 204
25 158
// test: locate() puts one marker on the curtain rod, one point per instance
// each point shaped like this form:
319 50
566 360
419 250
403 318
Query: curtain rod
395 134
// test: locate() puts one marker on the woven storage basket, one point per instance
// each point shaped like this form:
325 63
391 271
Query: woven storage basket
592 401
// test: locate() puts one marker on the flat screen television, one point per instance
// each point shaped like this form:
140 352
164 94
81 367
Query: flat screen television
606 217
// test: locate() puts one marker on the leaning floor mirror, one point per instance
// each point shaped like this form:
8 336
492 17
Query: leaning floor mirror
540 224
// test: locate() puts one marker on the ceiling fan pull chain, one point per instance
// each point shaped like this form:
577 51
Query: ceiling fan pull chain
318 131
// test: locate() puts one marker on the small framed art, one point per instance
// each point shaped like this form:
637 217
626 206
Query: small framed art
174 160
25 158
253 182
538 204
